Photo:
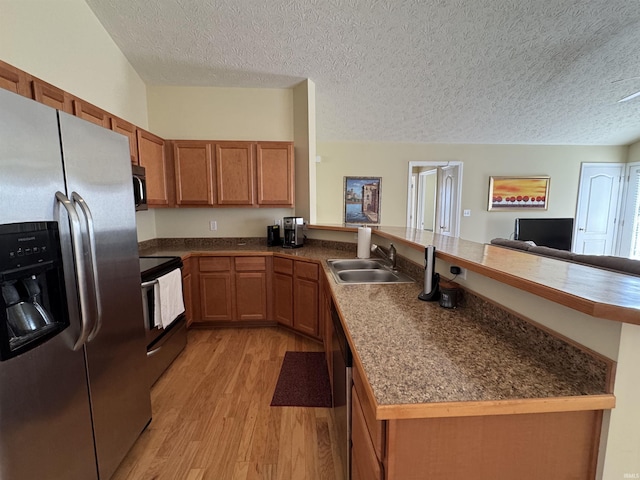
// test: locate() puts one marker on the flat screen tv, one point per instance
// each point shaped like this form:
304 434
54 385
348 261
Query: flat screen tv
546 232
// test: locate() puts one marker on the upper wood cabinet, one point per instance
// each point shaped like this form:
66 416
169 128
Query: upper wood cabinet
193 162
54 97
14 80
235 173
91 113
217 173
151 156
129 130
275 178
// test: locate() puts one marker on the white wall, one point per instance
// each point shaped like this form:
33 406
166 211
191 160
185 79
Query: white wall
391 162
63 43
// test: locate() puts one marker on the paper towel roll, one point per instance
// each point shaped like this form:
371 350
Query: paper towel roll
364 242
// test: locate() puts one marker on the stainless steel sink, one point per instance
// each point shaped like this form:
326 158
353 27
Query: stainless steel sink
355 264
358 270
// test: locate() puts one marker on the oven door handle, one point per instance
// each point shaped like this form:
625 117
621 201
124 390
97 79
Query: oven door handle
145 304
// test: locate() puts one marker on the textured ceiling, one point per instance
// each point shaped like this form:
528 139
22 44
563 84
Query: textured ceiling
432 71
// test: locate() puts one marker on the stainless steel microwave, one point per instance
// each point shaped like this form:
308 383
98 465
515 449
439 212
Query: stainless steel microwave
139 187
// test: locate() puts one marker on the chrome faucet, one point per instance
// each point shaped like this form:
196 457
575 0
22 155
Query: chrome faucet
390 257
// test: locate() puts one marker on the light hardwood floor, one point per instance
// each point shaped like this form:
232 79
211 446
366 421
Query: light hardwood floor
212 417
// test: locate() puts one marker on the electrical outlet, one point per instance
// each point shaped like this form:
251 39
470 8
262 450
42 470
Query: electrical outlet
213 225
466 213
459 272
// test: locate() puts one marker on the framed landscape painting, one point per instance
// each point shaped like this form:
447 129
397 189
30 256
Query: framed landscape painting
518 193
362 200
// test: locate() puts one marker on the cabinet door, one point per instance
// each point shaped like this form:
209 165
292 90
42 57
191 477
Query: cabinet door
305 315
364 463
52 96
216 296
128 130
194 173
91 113
283 298
275 174
234 173
152 157
251 296
14 80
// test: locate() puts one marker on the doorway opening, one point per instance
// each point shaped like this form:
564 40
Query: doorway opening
434 197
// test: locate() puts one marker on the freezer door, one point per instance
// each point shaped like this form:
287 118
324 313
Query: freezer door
45 421
98 173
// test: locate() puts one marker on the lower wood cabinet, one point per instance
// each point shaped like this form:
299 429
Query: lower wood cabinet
306 292
258 289
296 294
553 446
251 288
365 465
283 291
233 289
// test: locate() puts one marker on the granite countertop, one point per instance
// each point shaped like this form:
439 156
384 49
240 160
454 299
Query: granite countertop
414 352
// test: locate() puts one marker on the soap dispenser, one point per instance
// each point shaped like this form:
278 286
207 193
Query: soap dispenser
431 279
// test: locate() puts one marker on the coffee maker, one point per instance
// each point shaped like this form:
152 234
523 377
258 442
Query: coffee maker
293 236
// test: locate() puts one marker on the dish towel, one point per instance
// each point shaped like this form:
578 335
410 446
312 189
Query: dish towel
168 298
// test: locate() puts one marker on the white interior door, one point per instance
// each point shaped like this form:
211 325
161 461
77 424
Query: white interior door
413 201
427 195
447 217
597 210
630 244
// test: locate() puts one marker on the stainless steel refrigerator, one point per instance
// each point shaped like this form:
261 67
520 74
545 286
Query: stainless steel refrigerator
73 390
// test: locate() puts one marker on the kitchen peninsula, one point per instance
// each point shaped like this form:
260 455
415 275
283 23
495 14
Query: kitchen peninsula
426 377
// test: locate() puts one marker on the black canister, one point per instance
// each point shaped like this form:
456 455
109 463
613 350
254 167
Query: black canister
273 236
449 294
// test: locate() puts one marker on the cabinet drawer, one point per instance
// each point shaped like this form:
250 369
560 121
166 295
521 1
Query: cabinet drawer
253 264
283 265
374 427
307 270
215 264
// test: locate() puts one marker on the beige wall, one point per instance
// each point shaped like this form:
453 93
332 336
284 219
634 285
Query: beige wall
390 161
209 113
63 43
304 108
634 152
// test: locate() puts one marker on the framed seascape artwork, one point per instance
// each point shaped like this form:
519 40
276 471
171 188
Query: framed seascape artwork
362 200
518 193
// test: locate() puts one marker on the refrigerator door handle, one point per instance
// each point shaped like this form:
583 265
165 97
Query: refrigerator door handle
93 261
76 239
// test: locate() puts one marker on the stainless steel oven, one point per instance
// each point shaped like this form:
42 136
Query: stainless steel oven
163 344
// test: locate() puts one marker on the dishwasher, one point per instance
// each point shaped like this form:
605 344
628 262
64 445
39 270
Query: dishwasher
341 393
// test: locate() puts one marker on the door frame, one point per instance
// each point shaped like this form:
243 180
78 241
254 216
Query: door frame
436 164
